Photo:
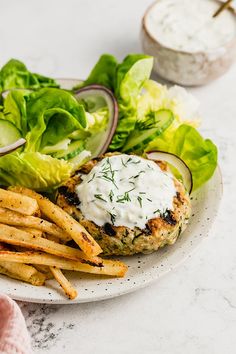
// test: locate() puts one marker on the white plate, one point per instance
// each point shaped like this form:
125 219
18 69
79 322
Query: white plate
143 269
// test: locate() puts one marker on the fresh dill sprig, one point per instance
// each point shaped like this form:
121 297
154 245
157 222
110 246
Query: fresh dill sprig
136 176
126 163
136 162
125 197
91 178
113 218
107 173
149 123
140 200
99 196
123 163
106 178
111 195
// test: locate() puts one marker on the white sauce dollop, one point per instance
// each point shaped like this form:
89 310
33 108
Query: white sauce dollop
125 190
189 26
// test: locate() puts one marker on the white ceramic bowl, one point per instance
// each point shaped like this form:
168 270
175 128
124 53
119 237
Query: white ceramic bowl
187 68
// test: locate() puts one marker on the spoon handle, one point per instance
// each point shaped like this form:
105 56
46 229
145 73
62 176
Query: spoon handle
223 7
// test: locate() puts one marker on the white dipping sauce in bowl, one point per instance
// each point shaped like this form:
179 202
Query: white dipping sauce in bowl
189 26
189 45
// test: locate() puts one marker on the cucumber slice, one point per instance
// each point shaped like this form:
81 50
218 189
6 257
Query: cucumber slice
146 131
73 149
8 133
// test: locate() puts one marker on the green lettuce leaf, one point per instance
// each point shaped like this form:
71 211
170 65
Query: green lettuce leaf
130 78
200 155
33 170
52 114
15 74
103 73
131 75
15 109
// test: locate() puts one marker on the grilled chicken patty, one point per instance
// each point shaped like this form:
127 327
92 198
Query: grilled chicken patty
122 240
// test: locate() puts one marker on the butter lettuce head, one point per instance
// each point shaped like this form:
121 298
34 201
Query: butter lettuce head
46 118
58 132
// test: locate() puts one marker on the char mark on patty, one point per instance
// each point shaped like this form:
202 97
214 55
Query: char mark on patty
169 217
71 197
109 229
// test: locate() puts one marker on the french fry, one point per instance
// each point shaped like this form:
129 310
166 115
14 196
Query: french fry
14 218
108 267
45 270
52 238
30 230
37 251
37 214
18 202
14 236
68 288
67 223
22 272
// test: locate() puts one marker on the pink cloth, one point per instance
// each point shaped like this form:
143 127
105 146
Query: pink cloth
14 337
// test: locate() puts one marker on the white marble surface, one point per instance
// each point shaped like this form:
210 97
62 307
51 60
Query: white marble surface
193 309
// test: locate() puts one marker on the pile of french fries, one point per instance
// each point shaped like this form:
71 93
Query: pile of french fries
33 236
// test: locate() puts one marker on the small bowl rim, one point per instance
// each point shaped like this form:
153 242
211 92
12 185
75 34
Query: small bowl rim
179 51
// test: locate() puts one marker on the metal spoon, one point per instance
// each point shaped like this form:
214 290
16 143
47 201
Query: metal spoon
12 147
223 7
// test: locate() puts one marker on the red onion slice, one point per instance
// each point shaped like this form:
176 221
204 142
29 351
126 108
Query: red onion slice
176 162
9 148
102 91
